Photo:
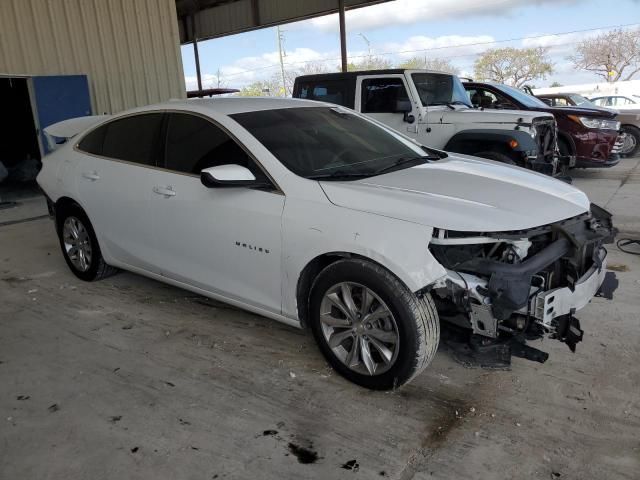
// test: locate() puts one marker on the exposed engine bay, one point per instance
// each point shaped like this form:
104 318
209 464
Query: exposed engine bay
524 284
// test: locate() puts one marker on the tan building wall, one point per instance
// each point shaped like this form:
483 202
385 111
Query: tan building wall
128 48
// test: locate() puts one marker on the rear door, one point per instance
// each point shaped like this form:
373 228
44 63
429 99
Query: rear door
115 181
382 97
223 240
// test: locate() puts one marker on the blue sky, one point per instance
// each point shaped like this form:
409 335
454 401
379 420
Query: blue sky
437 27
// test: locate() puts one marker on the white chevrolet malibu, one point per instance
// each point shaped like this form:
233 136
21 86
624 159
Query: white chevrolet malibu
318 217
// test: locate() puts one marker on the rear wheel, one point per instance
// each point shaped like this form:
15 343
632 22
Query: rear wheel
372 329
497 156
631 143
80 245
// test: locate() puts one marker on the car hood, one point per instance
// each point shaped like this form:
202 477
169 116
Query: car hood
462 193
583 111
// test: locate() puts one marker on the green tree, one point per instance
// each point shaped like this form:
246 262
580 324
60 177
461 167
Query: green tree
613 55
424 63
513 66
556 84
369 62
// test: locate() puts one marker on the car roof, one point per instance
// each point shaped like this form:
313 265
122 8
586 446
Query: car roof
232 105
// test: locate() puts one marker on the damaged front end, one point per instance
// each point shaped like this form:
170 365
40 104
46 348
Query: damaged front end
507 287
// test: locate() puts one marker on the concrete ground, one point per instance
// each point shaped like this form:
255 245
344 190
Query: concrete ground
130 378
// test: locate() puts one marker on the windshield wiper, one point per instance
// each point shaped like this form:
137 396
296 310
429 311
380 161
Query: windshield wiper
340 174
403 161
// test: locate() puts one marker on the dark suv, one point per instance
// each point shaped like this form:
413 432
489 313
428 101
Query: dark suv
591 135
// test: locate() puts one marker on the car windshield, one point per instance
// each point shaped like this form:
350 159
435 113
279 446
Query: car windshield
331 142
581 101
440 89
525 99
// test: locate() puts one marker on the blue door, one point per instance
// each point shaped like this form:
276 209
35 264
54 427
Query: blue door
59 98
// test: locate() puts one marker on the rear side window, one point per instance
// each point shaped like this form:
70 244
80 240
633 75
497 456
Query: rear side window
194 143
134 139
381 95
331 92
92 142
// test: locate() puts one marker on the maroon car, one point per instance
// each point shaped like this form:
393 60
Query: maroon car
589 134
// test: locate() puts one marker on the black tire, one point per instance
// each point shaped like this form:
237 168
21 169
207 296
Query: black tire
497 156
97 267
416 318
635 133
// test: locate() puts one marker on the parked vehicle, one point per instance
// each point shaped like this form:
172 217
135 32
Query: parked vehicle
629 119
316 216
591 135
619 102
432 107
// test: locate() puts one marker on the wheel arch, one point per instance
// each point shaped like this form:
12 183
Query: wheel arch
61 205
311 271
562 136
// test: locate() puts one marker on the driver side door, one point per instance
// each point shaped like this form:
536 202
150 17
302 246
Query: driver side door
226 241
382 98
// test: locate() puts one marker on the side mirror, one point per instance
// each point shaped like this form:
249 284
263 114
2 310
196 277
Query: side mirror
228 176
404 107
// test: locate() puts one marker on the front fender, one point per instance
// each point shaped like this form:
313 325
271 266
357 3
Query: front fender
469 140
399 246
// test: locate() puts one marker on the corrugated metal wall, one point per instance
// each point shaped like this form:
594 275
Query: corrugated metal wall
128 48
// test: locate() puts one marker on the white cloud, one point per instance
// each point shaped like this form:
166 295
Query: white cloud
439 47
404 12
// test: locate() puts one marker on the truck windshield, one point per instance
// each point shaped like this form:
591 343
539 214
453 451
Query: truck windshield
440 89
331 142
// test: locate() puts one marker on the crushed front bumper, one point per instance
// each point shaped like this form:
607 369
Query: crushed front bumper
564 301
543 277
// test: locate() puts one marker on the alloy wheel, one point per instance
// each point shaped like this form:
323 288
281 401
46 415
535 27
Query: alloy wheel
359 328
629 143
77 243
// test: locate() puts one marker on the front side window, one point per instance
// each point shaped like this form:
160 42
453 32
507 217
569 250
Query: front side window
317 142
439 89
134 139
383 95
193 143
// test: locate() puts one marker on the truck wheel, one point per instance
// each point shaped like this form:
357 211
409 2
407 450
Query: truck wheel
497 156
80 246
370 327
631 142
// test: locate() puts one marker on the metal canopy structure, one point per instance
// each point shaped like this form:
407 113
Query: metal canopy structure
206 19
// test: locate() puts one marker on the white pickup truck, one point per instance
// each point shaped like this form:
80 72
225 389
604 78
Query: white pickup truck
434 108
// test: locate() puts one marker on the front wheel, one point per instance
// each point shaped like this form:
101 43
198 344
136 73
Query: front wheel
370 327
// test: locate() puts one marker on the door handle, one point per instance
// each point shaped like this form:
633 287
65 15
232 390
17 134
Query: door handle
93 176
166 191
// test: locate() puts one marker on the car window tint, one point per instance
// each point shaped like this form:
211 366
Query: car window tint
134 139
382 95
194 143
93 141
328 91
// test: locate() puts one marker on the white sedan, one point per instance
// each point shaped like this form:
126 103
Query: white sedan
318 217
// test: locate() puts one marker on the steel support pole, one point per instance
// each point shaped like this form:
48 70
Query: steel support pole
343 35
